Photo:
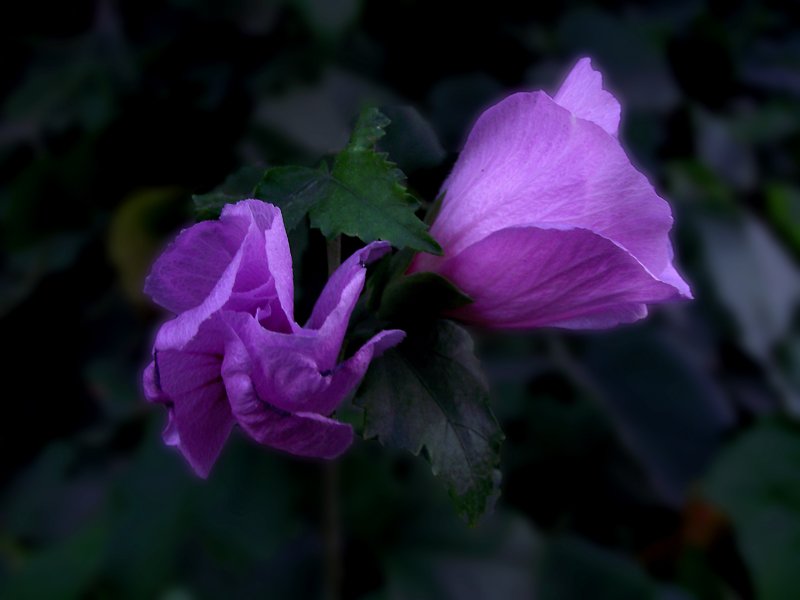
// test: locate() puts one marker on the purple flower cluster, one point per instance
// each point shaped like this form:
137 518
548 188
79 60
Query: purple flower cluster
545 222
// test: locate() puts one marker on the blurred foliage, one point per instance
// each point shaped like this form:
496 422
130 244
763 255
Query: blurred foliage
656 461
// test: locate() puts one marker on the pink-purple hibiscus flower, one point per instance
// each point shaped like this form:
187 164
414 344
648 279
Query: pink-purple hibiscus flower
545 222
234 353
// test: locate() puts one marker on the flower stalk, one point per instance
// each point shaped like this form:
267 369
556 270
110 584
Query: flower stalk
331 486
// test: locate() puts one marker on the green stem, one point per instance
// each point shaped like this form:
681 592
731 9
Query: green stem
334 254
331 485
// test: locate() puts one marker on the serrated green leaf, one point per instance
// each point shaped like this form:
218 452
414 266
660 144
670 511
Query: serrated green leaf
361 197
419 296
237 186
757 482
365 198
294 190
369 129
430 392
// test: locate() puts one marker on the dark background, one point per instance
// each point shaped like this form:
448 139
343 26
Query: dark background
659 461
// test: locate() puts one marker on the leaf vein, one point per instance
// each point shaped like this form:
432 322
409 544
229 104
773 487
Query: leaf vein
444 412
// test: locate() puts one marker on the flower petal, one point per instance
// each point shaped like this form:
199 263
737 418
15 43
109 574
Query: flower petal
346 375
152 388
267 253
333 308
529 160
200 415
240 262
304 434
583 95
181 330
190 267
284 370
539 275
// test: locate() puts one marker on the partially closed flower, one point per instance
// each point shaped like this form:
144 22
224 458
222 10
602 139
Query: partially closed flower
545 222
234 354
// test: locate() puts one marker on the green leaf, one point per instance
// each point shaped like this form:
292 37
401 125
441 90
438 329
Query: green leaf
361 196
365 198
430 392
418 296
368 130
294 190
757 482
389 269
237 186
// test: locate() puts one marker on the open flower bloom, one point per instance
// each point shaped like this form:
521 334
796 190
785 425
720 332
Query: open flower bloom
545 222
234 354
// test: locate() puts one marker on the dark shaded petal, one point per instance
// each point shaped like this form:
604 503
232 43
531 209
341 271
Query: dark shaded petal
284 371
190 382
304 434
152 387
200 416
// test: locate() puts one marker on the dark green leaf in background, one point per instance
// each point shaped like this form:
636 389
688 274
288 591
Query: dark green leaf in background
237 186
24 269
294 190
430 392
418 296
150 520
575 568
783 206
754 277
756 481
411 140
669 412
438 561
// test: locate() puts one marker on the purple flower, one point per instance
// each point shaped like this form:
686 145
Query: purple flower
234 353
546 222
